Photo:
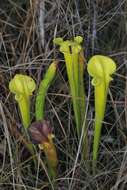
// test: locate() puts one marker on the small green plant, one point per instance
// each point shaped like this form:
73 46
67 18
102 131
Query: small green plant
23 86
100 68
74 60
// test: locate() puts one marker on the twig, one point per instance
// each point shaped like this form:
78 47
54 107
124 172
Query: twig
41 9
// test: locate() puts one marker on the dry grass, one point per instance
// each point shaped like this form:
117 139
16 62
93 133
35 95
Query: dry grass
27 31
